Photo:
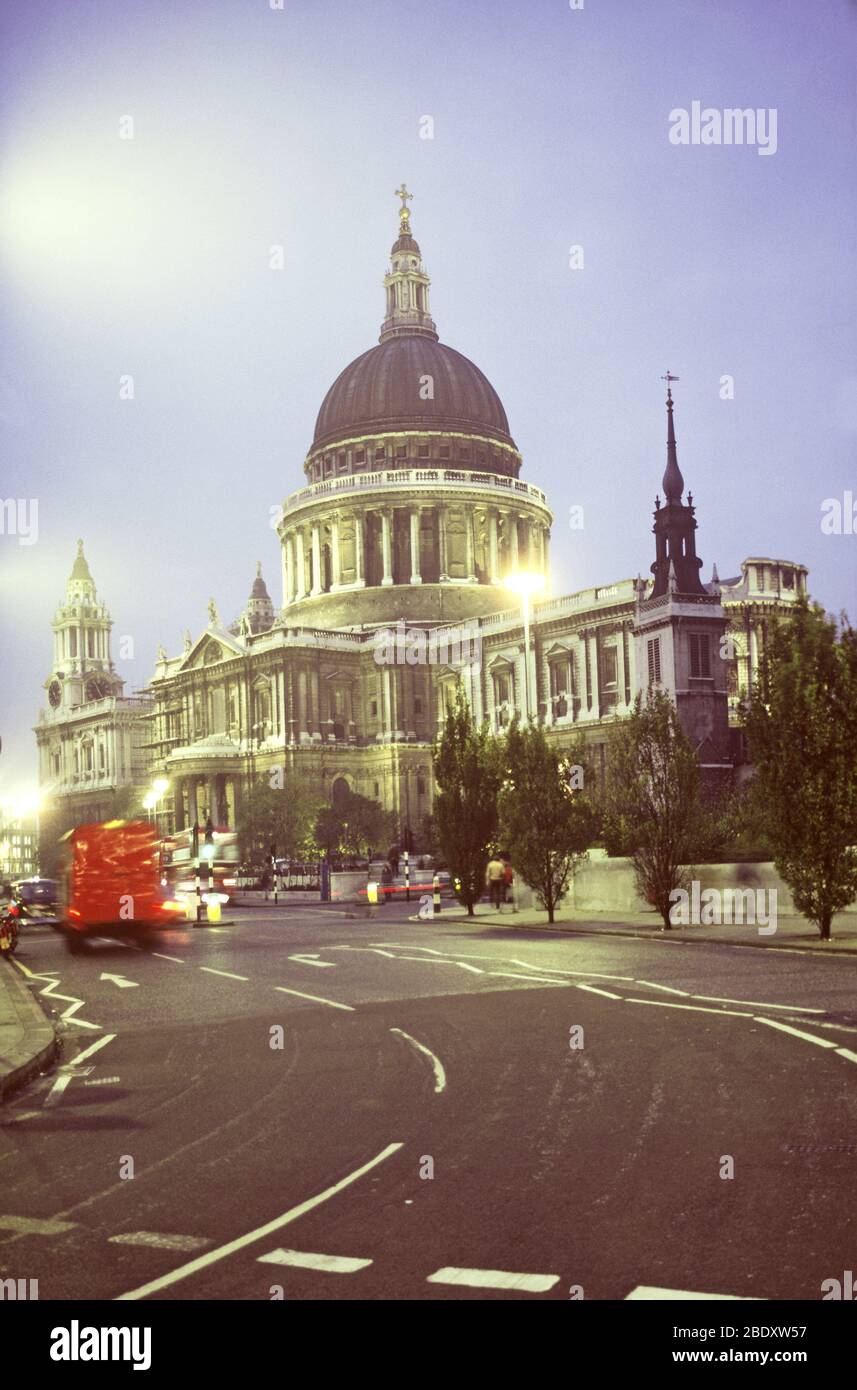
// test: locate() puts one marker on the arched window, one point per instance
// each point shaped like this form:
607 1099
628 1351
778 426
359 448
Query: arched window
339 792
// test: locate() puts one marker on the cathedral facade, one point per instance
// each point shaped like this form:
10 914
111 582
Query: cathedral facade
397 557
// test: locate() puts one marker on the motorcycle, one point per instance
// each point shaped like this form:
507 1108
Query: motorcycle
9 929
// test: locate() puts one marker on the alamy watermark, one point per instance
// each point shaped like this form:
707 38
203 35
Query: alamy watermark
459 646
19 516
731 126
713 907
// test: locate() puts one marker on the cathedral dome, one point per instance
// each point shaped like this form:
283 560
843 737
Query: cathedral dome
380 391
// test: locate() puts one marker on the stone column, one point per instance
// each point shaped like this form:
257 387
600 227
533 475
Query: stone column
620 667
443 558
334 553
300 590
316 560
416 576
303 733
316 702
359 554
512 524
386 546
192 805
595 674
754 653
546 551
469 545
289 571
493 548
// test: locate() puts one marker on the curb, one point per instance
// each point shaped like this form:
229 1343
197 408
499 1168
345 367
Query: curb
571 929
40 1032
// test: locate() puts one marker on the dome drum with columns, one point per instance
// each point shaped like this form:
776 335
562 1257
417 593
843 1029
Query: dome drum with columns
412 481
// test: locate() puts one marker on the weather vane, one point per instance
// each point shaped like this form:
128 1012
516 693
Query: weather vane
669 379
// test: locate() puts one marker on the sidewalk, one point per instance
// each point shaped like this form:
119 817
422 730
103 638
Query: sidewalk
28 1039
793 931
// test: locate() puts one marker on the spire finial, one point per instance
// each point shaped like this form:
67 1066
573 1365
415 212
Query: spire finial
258 569
673 482
406 197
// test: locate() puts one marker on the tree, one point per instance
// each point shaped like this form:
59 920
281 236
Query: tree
354 827
281 816
546 819
653 803
801 724
468 772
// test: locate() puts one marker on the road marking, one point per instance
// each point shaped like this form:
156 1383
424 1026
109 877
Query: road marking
203 1261
437 1065
34 1226
460 964
560 970
591 989
48 992
531 979
370 950
308 960
331 1264
103 1081
844 1052
757 1004
668 989
178 960
795 1032
227 974
315 998
156 1241
93 1047
649 1292
54 1095
120 981
493 1279
695 1008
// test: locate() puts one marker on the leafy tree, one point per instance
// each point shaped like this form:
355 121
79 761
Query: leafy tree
653 805
354 827
468 773
546 819
801 725
282 816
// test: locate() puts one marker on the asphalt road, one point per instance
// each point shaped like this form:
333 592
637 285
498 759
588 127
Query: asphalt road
433 1108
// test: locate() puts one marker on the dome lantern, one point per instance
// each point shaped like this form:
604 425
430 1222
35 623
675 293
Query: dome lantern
406 284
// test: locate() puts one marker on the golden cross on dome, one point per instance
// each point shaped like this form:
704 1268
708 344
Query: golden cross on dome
405 197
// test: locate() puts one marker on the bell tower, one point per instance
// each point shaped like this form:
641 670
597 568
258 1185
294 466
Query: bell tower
82 667
680 623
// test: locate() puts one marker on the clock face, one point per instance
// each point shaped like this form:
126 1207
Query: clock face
54 693
97 687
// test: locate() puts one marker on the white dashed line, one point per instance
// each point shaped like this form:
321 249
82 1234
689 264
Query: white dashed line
308 960
93 1047
650 1292
330 1264
493 1279
35 1226
757 1004
316 999
437 1065
203 1261
591 989
227 974
154 1240
796 1032
54 1095
178 960
695 1008
845 1052
668 989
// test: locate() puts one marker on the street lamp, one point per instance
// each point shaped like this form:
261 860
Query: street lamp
525 584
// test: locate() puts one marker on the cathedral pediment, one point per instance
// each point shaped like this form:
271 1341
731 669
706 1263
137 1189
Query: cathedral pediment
214 645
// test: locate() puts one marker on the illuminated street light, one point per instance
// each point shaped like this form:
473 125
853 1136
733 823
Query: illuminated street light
159 786
525 584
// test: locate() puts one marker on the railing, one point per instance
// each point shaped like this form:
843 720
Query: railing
411 477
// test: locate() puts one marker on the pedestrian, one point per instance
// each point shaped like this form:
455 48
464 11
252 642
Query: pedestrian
508 879
494 881
393 859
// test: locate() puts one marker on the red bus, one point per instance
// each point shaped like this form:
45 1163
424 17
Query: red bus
178 865
110 882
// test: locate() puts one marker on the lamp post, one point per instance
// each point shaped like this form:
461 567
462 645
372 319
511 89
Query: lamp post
525 585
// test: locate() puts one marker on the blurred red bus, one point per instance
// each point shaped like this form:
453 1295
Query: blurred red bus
110 881
178 865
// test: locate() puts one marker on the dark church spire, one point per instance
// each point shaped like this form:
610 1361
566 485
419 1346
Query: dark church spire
676 568
673 482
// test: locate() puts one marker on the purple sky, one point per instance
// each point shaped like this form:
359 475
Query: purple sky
256 127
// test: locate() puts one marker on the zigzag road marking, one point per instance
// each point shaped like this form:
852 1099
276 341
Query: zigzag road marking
50 992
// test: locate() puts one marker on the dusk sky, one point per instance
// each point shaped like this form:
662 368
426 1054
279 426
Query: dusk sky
255 127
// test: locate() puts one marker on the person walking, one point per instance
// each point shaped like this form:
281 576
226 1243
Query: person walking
494 881
508 880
